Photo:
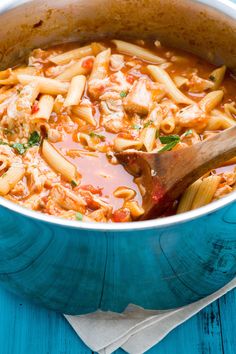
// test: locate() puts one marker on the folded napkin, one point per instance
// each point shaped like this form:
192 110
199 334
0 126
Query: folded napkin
136 329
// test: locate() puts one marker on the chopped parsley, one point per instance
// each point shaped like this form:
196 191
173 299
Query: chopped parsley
95 135
188 132
123 94
20 148
171 141
149 122
136 126
34 139
73 183
79 216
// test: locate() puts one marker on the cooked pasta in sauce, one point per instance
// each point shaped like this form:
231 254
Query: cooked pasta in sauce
65 114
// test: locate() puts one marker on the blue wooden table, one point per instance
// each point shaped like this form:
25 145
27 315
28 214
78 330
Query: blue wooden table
28 329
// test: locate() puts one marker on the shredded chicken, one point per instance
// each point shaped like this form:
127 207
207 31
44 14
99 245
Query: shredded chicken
139 99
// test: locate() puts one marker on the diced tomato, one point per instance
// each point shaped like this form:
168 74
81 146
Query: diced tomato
35 108
91 189
87 64
121 215
130 79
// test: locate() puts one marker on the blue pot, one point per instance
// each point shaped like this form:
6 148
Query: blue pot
73 267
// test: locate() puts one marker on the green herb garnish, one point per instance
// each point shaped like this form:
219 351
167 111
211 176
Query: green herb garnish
149 122
34 139
171 141
79 216
20 148
136 126
73 183
123 94
95 135
188 132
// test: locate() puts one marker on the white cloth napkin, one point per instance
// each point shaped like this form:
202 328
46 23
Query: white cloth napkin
135 330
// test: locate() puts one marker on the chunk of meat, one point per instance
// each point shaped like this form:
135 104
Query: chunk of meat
67 199
191 116
38 172
139 98
114 83
197 84
116 62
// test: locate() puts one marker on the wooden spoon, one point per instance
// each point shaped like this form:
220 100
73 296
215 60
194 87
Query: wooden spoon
166 175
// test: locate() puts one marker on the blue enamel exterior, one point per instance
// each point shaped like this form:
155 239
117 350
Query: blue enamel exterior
77 271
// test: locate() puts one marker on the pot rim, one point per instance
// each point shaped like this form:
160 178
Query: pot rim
224 6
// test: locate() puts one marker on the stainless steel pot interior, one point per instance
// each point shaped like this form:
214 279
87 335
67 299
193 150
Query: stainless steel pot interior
203 27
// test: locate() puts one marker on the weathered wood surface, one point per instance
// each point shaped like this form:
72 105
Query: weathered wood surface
27 328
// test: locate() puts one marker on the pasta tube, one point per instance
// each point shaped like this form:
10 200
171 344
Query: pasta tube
73 70
219 120
46 85
149 138
76 90
168 124
45 105
121 144
217 77
160 75
187 198
58 162
206 191
139 52
9 179
211 100
72 55
100 66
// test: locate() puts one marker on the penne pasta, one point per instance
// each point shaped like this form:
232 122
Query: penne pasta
124 193
10 178
160 75
46 85
206 191
9 76
219 120
211 100
168 124
136 51
100 66
187 198
230 109
121 144
75 91
135 210
73 54
217 77
74 70
45 107
148 138
58 162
